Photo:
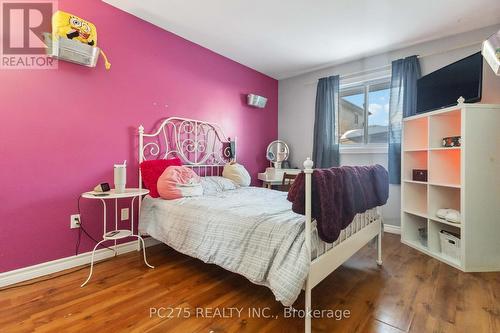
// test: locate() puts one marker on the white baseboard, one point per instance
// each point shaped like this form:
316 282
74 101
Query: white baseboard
392 229
50 267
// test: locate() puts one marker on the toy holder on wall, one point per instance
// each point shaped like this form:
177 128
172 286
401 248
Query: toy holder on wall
73 39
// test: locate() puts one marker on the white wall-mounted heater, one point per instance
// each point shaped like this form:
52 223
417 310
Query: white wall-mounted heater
256 101
491 52
72 51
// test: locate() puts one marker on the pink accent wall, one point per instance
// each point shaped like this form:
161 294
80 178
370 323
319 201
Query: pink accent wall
62 130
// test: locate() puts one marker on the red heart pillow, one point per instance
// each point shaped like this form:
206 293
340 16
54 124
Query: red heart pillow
152 170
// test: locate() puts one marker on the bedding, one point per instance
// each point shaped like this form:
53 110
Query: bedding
237 173
248 230
177 182
152 170
338 194
216 184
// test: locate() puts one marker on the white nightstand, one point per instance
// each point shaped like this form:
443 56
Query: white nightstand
116 234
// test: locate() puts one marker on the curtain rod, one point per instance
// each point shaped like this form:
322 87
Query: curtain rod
344 76
366 71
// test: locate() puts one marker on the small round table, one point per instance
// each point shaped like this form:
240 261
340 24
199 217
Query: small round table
116 234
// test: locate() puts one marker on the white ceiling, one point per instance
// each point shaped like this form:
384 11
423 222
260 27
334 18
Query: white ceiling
283 38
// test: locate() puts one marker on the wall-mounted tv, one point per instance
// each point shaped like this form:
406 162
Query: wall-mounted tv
443 87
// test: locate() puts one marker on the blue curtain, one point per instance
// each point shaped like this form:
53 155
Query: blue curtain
325 145
403 103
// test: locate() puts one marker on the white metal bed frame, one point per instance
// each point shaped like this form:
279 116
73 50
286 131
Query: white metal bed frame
203 147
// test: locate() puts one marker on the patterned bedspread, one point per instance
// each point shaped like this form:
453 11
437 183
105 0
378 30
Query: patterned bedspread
250 231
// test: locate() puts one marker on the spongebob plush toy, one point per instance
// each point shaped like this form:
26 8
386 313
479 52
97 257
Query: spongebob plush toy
65 25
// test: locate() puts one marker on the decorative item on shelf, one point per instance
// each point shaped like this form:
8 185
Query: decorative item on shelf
491 52
452 141
419 175
120 176
102 187
256 101
448 214
277 152
73 39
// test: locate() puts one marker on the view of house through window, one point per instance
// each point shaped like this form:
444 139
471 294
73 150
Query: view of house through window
364 114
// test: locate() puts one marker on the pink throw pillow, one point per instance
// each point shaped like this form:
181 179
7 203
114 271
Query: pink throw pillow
152 170
178 182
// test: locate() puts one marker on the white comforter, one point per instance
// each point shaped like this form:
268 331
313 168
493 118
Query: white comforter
250 231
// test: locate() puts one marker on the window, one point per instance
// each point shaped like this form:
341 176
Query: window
364 113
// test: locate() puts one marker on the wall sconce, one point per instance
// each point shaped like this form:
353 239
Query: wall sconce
256 101
491 52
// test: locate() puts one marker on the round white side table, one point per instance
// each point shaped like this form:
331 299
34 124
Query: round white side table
116 234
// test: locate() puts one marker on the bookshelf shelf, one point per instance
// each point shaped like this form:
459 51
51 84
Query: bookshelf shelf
415 150
446 148
446 185
461 178
440 220
414 181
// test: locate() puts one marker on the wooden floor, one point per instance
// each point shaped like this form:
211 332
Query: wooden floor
410 293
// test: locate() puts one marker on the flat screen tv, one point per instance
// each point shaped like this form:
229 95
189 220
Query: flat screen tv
443 87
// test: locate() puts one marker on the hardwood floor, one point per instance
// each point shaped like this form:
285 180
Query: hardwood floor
410 293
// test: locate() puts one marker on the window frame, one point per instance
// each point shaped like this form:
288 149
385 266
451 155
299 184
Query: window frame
364 85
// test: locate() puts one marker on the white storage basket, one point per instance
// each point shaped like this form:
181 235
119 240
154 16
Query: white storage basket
450 244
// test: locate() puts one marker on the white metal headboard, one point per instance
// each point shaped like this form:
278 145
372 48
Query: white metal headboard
199 144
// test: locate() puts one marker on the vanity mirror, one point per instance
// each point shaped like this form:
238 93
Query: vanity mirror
277 152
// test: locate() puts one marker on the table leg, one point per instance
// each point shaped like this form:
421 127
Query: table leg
139 238
104 218
92 262
132 224
132 216
267 185
103 240
116 220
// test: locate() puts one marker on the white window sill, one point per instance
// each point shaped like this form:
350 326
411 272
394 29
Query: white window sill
363 149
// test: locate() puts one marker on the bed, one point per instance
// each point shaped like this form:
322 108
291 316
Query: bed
246 230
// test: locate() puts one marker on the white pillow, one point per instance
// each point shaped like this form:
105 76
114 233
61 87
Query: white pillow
216 184
237 173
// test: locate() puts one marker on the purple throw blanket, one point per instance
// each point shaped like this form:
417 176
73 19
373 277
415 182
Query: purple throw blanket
338 194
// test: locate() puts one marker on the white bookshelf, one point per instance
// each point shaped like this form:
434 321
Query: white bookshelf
465 178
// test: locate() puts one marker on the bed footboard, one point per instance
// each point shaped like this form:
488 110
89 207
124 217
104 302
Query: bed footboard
364 228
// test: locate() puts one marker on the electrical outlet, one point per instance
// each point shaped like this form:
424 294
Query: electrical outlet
74 221
124 214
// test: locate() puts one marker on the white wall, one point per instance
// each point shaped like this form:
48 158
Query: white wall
391 211
297 97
